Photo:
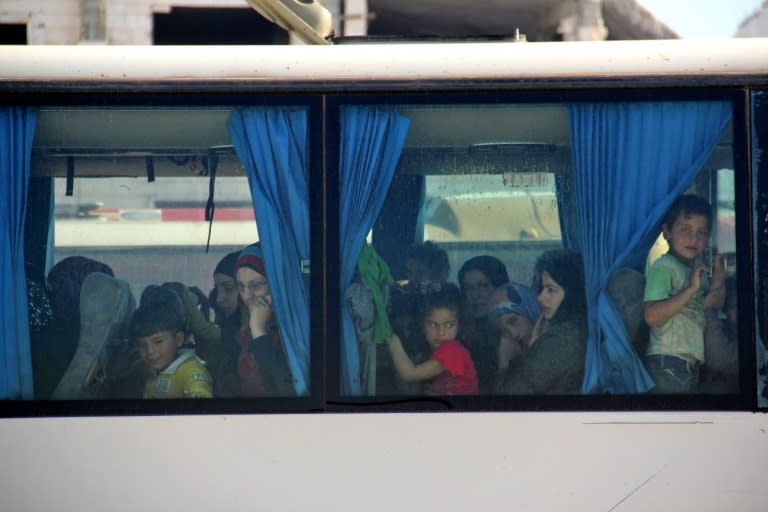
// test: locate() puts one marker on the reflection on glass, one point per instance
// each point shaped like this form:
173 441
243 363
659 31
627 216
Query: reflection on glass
493 190
141 298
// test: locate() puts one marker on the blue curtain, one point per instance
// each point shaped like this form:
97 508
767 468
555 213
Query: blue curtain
371 142
273 145
631 160
17 131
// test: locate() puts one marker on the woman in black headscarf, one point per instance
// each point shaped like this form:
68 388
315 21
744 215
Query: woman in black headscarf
478 278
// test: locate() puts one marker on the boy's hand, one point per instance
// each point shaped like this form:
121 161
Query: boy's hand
508 349
718 271
716 293
694 281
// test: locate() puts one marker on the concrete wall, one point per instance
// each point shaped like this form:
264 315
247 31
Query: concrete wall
755 25
127 22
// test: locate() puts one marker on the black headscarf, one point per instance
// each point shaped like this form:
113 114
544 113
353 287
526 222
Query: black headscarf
491 267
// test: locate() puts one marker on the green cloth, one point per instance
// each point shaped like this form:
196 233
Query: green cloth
374 273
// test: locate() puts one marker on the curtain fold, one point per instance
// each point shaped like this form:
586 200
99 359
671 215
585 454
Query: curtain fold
17 131
273 145
372 140
631 160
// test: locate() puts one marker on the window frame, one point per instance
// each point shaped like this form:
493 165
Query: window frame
241 405
744 400
325 294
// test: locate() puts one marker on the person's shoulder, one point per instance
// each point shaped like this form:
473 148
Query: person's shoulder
569 331
665 260
453 346
450 348
193 366
669 261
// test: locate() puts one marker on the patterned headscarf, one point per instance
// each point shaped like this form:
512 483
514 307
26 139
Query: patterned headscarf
514 298
252 257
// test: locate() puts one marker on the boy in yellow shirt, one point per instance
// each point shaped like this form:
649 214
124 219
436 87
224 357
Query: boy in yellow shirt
158 330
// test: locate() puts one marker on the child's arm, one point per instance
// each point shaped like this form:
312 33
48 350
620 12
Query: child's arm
206 333
197 384
656 312
716 295
405 367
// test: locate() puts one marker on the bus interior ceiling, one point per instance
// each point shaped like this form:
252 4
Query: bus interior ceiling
454 147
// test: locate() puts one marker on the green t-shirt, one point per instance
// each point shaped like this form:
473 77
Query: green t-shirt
683 334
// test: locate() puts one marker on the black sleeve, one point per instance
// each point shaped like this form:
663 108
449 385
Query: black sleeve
274 368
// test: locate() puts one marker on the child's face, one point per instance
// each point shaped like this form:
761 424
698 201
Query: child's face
477 290
551 296
687 236
160 349
441 324
416 270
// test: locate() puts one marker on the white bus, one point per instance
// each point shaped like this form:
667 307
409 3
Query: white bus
123 155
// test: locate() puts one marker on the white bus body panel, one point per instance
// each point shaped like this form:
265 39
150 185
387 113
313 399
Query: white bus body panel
366 62
389 462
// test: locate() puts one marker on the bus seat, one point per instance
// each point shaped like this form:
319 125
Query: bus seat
359 300
106 305
626 288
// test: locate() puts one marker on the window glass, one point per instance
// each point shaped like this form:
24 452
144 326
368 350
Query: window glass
146 297
488 224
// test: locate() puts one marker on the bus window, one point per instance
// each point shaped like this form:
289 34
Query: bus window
159 283
506 191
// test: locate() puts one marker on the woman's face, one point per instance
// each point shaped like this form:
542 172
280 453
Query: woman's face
251 285
551 296
226 293
477 290
516 327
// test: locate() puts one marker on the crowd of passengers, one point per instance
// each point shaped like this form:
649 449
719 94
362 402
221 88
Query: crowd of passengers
482 335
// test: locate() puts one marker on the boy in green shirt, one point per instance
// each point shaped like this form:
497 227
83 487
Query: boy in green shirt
677 292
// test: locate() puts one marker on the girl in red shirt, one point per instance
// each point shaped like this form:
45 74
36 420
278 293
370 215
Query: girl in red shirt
450 369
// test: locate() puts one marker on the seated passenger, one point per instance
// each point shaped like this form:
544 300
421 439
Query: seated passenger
721 344
553 361
427 262
403 317
449 369
215 342
157 327
514 311
478 278
262 364
224 297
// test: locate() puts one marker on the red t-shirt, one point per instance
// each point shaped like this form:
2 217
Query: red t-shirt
459 377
